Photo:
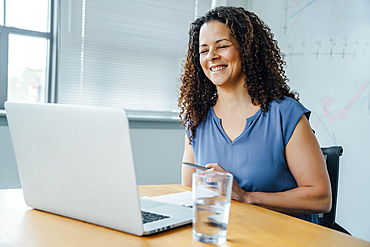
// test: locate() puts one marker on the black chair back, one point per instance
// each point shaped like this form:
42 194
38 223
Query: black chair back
332 155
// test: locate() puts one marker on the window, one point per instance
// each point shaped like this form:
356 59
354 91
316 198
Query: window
107 52
123 53
25 41
2 12
27 68
28 15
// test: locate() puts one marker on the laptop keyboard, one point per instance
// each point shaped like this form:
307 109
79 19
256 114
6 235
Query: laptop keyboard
151 217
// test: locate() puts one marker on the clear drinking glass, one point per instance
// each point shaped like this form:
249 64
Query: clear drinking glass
211 206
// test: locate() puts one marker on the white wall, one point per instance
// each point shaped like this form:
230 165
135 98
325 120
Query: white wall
8 169
158 154
157 148
327 47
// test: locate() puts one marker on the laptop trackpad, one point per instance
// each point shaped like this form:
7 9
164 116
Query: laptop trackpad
147 204
164 208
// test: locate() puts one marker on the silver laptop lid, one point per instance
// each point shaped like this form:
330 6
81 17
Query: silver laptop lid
77 161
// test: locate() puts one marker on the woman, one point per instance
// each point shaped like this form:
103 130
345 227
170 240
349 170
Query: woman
241 117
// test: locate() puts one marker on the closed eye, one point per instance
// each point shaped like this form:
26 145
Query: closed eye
203 51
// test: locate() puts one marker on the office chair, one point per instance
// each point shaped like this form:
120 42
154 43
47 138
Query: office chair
332 155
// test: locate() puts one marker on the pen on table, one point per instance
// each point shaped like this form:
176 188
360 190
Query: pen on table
195 166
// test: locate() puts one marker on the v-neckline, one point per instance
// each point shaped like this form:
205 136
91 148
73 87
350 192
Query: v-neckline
223 132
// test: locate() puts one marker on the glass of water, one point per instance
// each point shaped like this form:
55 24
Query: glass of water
211 206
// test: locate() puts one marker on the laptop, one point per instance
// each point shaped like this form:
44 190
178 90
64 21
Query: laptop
77 161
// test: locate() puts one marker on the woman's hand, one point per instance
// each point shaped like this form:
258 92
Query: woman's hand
237 192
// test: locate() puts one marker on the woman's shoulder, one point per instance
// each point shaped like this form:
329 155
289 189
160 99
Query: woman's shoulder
286 104
288 108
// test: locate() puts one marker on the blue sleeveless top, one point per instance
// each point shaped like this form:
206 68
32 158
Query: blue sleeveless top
256 157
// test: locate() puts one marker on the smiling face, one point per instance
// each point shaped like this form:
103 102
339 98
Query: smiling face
219 55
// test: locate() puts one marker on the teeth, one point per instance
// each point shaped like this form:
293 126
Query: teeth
218 68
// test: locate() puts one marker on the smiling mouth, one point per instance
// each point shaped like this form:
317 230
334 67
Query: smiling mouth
218 68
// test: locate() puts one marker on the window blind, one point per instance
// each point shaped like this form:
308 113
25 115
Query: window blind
123 53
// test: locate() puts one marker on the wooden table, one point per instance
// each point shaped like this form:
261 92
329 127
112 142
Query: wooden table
248 226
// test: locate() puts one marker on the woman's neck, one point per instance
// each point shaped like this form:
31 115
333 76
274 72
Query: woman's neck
234 103
233 98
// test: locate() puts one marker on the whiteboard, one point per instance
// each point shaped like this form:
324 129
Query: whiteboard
327 48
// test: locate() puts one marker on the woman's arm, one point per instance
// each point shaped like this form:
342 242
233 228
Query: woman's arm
307 165
186 174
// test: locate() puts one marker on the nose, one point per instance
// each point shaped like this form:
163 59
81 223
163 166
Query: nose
212 55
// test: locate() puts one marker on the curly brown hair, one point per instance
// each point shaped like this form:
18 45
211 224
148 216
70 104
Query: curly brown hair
262 63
